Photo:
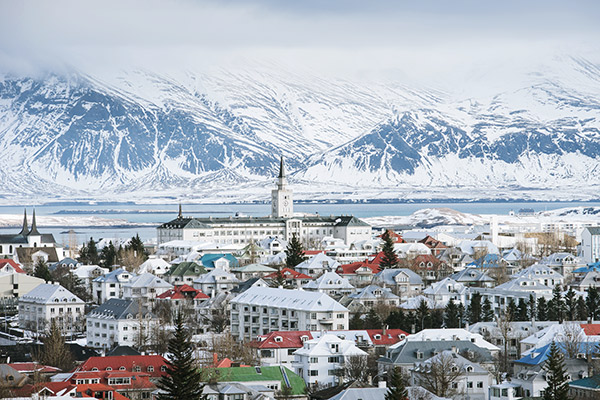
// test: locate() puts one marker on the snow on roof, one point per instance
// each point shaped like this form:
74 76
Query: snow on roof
47 293
318 261
449 335
148 280
329 280
329 344
291 299
214 275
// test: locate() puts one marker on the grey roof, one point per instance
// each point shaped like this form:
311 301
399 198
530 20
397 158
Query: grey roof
286 298
471 275
111 277
368 292
371 393
207 223
242 287
118 309
387 276
407 353
594 230
47 293
148 280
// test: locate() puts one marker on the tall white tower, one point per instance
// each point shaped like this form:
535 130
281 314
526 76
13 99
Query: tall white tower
282 205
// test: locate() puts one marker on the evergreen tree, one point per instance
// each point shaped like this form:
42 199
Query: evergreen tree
396 320
41 270
462 314
356 322
294 252
582 311
390 258
511 307
410 323
67 279
542 310
487 314
396 385
531 308
279 279
372 320
558 385
474 313
183 379
109 255
435 320
570 305
593 302
92 253
522 311
137 245
451 315
556 306
55 352
84 256
422 314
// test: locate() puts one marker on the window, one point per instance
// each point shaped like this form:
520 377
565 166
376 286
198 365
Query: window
314 360
333 359
480 384
137 368
314 372
150 368
470 385
340 316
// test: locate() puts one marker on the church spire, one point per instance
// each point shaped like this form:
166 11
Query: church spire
33 230
281 170
180 215
25 230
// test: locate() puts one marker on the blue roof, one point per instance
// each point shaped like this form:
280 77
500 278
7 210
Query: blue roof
590 267
208 260
540 355
487 261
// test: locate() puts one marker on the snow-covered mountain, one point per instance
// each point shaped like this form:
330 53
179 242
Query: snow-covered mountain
220 133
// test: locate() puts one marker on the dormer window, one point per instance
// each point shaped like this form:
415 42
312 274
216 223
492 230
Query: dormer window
377 337
278 339
109 368
121 368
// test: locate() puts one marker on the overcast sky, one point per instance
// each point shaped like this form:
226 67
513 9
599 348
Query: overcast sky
428 36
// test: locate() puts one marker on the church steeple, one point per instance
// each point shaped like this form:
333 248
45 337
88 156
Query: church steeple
33 230
282 205
281 170
25 229
180 215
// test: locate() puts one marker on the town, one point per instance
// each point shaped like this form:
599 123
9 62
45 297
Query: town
298 306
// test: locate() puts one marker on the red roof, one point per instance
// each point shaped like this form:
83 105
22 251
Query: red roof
591 329
313 252
91 389
281 340
53 387
182 292
426 258
289 273
129 362
12 263
392 336
396 238
432 243
348 269
140 380
30 367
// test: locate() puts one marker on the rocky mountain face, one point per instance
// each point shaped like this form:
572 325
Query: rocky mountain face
77 135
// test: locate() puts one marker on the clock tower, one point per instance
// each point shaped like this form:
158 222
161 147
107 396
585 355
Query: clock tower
281 198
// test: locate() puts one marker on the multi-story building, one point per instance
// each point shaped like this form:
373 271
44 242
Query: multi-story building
320 360
118 322
146 287
47 303
260 310
282 223
590 244
110 286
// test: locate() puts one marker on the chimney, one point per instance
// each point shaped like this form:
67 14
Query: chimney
382 384
384 330
215 359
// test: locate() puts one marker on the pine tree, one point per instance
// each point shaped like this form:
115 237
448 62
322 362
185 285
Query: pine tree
570 305
474 312
396 386
487 314
41 270
522 310
109 255
137 245
390 258
294 252
422 314
372 320
542 310
183 379
556 306
92 252
55 352
435 319
531 308
462 314
279 279
451 315
558 385
582 311
397 320
593 302
511 307
356 322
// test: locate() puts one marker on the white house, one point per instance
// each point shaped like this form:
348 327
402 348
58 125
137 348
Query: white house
110 286
331 284
156 266
317 265
49 302
541 273
403 281
590 244
260 310
118 322
146 287
319 360
445 290
215 282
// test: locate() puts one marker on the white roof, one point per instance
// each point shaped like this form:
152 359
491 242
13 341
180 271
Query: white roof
329 344
445 286
154 265
329 280
148 280
211 277
318 261
468 246
537 271
47 293
84 271
405 248
288 298
448 335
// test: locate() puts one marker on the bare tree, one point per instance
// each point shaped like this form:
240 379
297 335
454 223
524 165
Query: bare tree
504 323
439 374
571 336
225 346
355 368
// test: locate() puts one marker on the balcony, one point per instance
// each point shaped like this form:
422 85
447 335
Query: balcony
326 320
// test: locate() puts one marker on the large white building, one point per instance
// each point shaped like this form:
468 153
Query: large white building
118 322
590 245
260 310
320 360
281 223
48 302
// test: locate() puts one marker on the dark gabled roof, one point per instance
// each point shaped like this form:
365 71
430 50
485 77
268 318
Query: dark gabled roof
25 253
328 393
118 309
349 220
187 268
594 230
242 287
13 239
124 351
407 353
180 223
206 223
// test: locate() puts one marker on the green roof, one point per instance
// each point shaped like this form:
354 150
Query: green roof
186 268
593 382
272 373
